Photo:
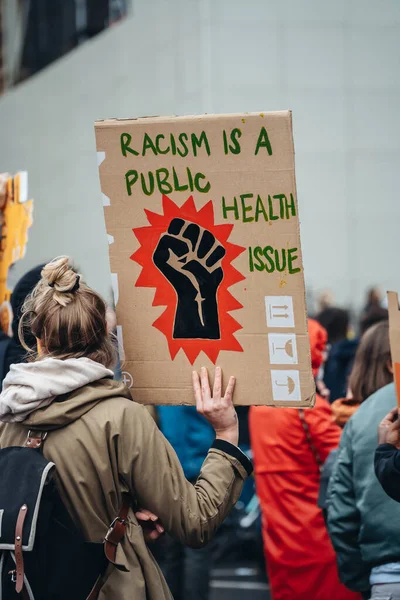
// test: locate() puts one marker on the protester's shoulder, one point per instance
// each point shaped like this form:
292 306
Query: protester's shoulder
272 426
320 413
120 408
321 404
127 407
273 414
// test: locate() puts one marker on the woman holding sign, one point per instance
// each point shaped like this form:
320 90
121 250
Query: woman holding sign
110 457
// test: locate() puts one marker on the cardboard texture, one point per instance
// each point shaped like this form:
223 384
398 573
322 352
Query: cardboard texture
394 336
203 228
15 220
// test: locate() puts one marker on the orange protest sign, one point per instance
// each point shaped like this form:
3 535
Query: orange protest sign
15 220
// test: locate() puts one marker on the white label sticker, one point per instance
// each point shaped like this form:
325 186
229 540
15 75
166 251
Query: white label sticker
282 349
286 385
114 283
120 340
1 518
23 186
279 311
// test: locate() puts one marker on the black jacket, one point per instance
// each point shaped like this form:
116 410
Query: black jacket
10 353
387 469
338 367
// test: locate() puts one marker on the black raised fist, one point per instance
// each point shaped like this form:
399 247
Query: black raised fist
190 258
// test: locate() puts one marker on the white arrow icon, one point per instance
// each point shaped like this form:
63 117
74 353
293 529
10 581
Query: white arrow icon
279 311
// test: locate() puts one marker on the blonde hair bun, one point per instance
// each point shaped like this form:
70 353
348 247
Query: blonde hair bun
59 275
67 317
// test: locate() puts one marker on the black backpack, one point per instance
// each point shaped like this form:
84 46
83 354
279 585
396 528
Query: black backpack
43 556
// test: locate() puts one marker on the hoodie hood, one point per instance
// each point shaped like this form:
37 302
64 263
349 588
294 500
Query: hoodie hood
31 390
67 409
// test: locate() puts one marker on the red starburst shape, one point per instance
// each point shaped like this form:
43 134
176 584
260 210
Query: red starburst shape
165 295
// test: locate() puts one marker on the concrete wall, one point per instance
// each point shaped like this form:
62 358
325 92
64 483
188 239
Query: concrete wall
336 64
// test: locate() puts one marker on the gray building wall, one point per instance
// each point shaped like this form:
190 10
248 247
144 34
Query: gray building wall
336 64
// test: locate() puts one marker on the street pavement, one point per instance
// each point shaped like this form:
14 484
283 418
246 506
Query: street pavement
239 583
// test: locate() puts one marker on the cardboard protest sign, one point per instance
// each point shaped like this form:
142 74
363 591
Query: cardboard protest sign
202 220
394 336
15 220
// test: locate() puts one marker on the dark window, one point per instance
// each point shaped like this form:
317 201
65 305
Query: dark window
53 28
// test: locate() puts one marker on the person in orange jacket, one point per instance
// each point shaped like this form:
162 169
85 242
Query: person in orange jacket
289 447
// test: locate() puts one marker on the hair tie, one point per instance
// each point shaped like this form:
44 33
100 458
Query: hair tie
76 286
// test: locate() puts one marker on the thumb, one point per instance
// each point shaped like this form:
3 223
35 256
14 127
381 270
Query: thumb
395 425
390 418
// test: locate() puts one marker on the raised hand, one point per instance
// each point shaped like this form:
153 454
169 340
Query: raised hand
190 258
215 406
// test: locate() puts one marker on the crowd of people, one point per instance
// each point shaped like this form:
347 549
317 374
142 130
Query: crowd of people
328 492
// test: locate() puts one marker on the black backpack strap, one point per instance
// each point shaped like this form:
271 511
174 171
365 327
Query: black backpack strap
19 559
94 594
35 441
116 532
112 540
314 451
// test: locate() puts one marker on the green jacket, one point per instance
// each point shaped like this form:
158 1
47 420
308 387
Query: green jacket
363 522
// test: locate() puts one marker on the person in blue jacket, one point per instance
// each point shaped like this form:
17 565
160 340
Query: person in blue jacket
342 351
187 571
